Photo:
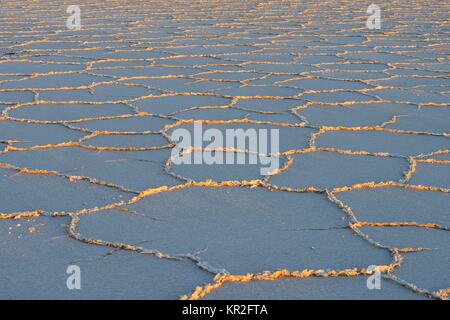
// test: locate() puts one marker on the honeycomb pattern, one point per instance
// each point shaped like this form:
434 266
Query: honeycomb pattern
86 118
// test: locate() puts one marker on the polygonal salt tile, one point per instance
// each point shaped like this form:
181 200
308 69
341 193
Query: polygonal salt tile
426 270
51 57
99 93
381 57
224 166
413 72
316 59
6 78
262 91
2 146
25 67
396 204
268 105
409 237
165 84
269 80
3 107
126 124
338 97
149 71
192 61
432 174
260 234
116 63
124 141
330 170
353 115
353 66
26 135
22 192
442 156
236 76
399 144
136 170
280 68
315 288
290 138
409 82
184 85
37 254
425 119
264 58
55 81
284 118
170 104
413 96
68 112
317 84
351 75
16 97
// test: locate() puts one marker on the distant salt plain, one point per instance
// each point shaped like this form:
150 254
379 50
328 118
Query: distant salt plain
85 128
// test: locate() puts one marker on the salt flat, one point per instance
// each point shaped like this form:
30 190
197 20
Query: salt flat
88 178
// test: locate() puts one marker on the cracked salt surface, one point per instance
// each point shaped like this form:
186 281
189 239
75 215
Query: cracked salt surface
85 151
